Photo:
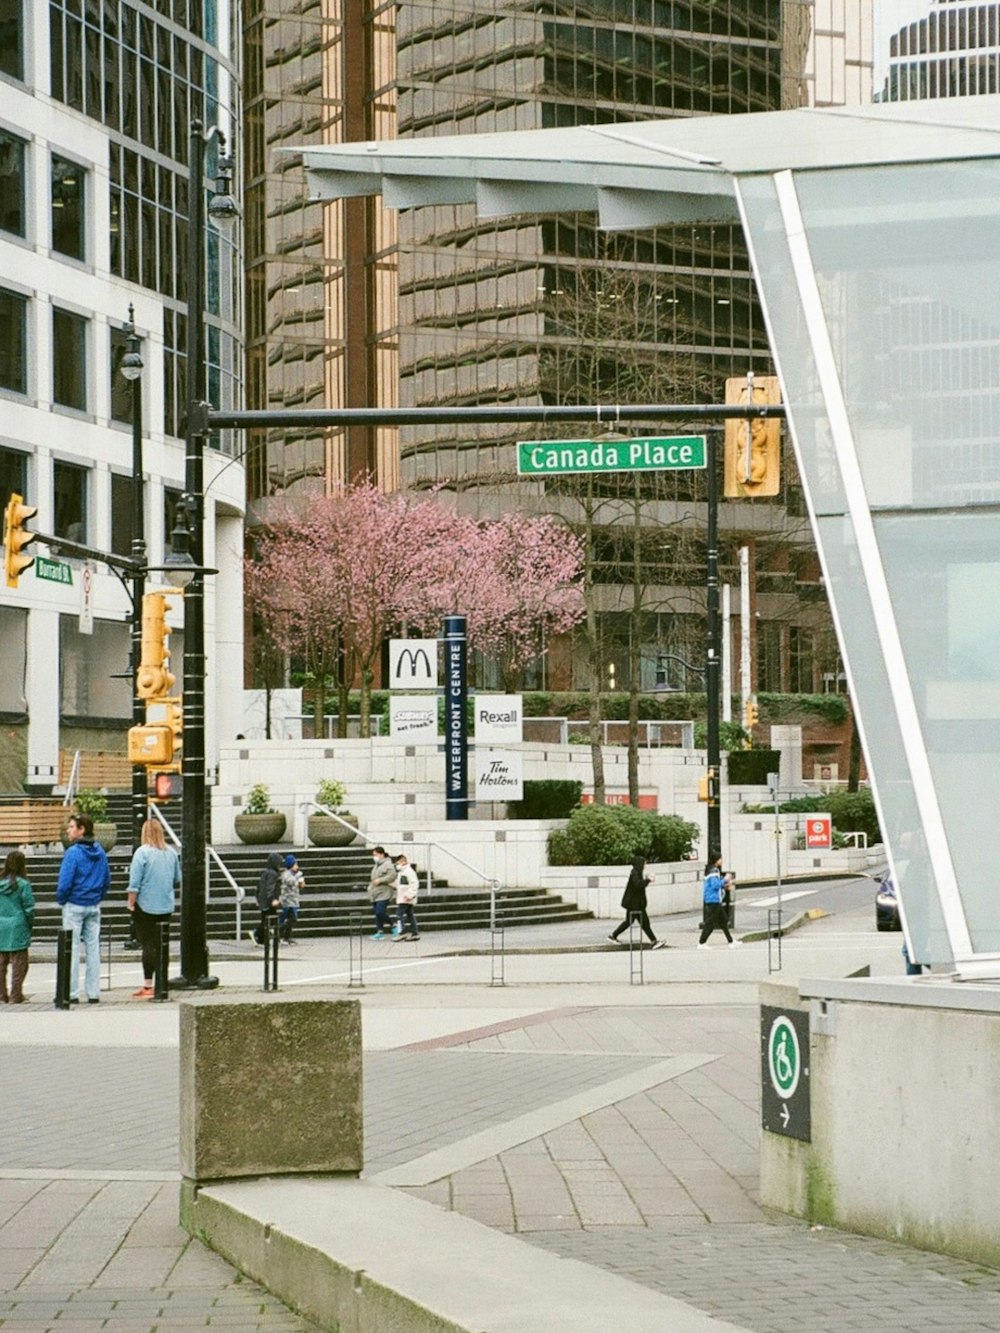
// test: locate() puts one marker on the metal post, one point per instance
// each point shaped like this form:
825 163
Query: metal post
131 369
64 962
498 957
356 930
456 737
774 933
636 974
194 945
160 988
713 646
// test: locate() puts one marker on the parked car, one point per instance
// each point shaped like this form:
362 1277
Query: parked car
886 903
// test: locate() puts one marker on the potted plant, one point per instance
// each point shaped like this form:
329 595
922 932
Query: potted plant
327 832
259 822
90 801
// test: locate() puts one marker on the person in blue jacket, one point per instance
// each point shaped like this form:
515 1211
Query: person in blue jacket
84 879
715 897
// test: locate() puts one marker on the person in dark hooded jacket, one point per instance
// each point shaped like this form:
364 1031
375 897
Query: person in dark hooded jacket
634 902
268 894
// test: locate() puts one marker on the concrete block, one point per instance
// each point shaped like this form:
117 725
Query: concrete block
270 1085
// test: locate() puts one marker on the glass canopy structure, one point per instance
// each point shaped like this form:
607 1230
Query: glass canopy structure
875 240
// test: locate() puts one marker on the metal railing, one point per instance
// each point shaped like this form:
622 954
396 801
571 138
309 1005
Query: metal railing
74 778
494 884
239 892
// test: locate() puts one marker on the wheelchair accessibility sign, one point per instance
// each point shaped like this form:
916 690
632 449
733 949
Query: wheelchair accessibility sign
784 1042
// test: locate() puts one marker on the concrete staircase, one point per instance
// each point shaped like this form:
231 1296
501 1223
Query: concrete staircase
334 901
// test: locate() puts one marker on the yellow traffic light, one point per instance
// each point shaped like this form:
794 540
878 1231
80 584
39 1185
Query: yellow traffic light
175 721
154 679
750 714
708 787
16 538
753 444
150 744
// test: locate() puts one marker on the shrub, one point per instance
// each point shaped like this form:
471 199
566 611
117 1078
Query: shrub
90 801
849 811
611 835
258 801
733 736
332 794
749 768
547 798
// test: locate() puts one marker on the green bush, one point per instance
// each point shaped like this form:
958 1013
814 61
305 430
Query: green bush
546 798
733 736
850 811
611 835
749 768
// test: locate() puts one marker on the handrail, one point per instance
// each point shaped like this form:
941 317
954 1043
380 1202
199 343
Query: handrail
306 806
74 774
237 889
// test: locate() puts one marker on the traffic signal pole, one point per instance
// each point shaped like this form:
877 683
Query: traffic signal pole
713 648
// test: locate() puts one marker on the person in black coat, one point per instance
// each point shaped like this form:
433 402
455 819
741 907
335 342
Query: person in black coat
634 902
268 895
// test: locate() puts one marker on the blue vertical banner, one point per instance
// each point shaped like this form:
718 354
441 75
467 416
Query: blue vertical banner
456 730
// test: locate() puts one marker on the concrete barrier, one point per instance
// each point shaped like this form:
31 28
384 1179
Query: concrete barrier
270 1085
905 1086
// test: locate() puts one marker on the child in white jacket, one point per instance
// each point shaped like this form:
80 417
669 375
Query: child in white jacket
406 895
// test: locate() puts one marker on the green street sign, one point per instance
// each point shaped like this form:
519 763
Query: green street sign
55 571
555 458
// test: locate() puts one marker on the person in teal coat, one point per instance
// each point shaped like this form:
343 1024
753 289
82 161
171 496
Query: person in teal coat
17 916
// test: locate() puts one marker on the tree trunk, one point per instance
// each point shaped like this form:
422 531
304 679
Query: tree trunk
365 721
594 648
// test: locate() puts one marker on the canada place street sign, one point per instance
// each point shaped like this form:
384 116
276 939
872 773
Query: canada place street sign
553 458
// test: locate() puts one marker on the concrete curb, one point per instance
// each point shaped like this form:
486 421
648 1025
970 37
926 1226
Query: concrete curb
361 1258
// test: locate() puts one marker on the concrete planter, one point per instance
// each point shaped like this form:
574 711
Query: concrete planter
326 832
257 830
105 835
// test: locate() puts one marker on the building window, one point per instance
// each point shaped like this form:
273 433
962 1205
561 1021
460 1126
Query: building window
68 208
13 473
70 501
11 183
121 388
11 39
171 499
13 342
121 514
69 359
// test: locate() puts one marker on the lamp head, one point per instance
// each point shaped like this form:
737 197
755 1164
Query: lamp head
222 207
131 366
178 563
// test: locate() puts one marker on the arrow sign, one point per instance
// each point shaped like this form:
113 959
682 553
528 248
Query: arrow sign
786 1115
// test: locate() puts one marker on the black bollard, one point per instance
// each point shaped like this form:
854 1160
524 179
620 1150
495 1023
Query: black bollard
271 937
64 964
160 984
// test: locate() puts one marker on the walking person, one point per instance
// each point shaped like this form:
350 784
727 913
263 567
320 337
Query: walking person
292 883
380 887
268 895
153 880
17 916
84 879
407 885
634 902
715 897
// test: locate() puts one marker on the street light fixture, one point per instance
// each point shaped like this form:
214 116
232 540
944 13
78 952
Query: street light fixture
221 209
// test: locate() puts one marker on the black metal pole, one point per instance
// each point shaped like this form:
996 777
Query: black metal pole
162 962
194 945
713 657
138 554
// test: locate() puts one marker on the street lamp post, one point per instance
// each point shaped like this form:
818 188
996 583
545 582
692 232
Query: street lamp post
194 944
131 369
713 657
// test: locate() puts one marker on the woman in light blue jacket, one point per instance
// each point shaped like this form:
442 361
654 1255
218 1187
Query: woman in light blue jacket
153 880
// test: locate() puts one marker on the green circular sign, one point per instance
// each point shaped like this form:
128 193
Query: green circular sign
784 1060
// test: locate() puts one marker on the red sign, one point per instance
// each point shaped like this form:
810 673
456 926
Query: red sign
647 799
819 832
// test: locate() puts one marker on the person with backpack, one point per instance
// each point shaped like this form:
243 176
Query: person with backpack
268 895
17 916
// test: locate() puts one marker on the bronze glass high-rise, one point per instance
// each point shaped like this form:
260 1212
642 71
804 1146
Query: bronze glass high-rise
221 209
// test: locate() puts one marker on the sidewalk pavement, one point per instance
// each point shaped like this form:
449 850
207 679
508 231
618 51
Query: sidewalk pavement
611 1124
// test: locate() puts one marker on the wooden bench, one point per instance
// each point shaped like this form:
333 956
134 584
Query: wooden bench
31 821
